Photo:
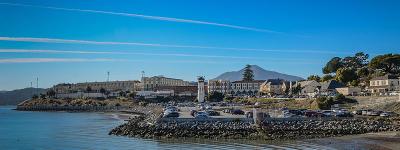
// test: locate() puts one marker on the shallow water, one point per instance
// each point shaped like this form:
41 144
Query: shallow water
63 130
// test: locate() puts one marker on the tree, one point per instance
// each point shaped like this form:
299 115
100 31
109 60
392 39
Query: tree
51 93
248 74
42 96
88 89
122 94
35 96
363 72
102 91
333 65
388 63
327 77
314 77
215 96
296 89
132 94
346 75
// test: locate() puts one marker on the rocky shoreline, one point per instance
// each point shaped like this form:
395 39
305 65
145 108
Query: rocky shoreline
267 130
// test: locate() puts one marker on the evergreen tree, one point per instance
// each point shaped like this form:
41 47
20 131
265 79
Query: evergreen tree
248 74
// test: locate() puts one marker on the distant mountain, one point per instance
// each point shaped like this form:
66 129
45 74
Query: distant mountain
16 96
259 74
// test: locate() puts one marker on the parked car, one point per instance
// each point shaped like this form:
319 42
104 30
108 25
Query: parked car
310 113
327 113
201 115
171 108
357 112
249 114
212 113
229 110
237 112
208 107
384 114
171 114
193 112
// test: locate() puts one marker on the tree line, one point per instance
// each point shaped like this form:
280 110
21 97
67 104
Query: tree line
356 69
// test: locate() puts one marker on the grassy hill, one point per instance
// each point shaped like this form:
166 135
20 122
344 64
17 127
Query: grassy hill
16 96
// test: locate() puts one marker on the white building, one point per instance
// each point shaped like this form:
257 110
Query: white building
150 83
384 84
200 89
95 87
235 87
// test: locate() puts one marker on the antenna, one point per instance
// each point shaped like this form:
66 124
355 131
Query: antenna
37 85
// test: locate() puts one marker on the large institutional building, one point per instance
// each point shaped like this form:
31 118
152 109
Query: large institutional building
235 87
111 86
150 83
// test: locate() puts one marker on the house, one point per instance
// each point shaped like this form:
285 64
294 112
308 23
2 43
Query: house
308 88
328 88
275 87
383 85
349 91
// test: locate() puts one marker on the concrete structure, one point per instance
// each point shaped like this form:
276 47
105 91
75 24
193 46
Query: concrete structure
383 85
221 86
349 91
190 90
95 87
200 89
238 88
150 83
248 88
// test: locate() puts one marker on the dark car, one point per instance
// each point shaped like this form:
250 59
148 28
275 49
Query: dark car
237 112
171 114
310 113
193 112
212 113
296 112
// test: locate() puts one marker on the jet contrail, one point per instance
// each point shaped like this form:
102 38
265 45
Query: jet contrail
41 60
119 53
69 41
148 17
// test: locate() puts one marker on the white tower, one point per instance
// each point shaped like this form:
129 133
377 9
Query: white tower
200 89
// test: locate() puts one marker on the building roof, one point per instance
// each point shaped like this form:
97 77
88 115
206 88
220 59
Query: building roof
385 77
254 81
331 85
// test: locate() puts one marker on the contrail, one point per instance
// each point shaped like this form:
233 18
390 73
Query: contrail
69 41
148 17
42 60
120 53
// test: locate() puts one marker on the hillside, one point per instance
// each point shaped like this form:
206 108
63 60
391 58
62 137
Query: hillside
259 74
16 96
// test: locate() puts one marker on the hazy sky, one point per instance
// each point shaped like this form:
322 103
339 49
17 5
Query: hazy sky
80 40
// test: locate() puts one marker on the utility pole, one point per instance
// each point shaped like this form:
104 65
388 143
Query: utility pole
143 80
108 76
31 88
37 86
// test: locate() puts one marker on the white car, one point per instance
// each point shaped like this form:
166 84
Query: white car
384 114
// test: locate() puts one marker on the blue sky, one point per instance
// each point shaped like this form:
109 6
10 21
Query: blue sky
80 40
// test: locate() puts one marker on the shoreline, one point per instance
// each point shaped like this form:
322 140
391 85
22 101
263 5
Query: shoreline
376 140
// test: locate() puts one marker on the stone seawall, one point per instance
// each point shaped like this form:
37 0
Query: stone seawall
269 129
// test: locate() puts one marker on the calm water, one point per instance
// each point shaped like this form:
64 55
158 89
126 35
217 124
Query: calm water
62 130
